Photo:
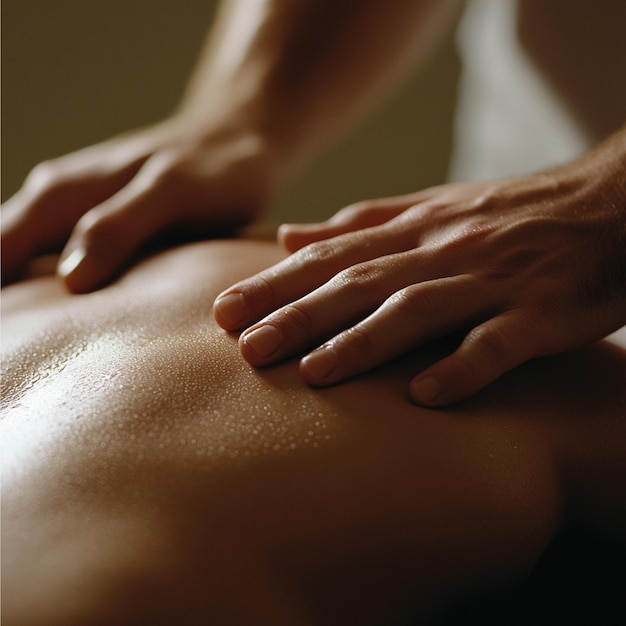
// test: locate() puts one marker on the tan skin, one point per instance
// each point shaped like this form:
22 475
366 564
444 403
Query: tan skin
275 84
150 476
530 267
250 118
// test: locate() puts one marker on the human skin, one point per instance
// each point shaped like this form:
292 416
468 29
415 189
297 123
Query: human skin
274 83
527 267
150 475
272 86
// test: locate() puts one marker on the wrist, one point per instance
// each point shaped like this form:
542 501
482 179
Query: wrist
243 117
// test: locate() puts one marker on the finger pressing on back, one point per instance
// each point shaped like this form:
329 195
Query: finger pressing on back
487 352
106 237
407 319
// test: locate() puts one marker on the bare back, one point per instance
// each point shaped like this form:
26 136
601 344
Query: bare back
151 476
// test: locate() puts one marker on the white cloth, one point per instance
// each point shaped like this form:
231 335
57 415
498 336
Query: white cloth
510 121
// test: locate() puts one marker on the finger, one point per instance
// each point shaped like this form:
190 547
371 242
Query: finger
105 238
345 299
37 220
248 301
40 216
488 351
18 241
357 216
407 319
296 236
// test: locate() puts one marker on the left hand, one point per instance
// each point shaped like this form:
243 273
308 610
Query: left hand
531 266
100 205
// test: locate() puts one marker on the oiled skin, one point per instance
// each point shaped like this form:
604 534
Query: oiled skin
151 476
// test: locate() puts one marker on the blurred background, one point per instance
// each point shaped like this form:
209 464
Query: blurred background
75 73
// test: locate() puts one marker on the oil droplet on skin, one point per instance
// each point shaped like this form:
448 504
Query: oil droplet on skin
171 407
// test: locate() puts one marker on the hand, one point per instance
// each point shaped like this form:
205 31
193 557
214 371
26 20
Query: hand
529 267
110 198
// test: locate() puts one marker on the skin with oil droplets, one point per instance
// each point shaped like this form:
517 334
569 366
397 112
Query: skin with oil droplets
151 476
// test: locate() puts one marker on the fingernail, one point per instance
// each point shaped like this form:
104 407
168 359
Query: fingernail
232 309
425 390
71 261
264 341
320 363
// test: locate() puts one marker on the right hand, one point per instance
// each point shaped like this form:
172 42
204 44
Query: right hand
101 203
523 267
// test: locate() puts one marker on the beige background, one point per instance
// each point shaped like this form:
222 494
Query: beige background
75 72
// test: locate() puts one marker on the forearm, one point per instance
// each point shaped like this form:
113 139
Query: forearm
609 159
301 72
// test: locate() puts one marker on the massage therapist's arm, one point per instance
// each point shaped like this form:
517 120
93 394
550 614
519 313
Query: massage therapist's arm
276 80
525 267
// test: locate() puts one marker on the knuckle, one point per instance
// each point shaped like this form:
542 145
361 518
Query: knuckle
320 253
259 294
358 340
468 237
44 181
417 213
415 301
469 243
167 169
493 343
423 213
402 299
484 197
261 288
97 230
296 316
363 279
43 174
356 210
164 182
465 375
